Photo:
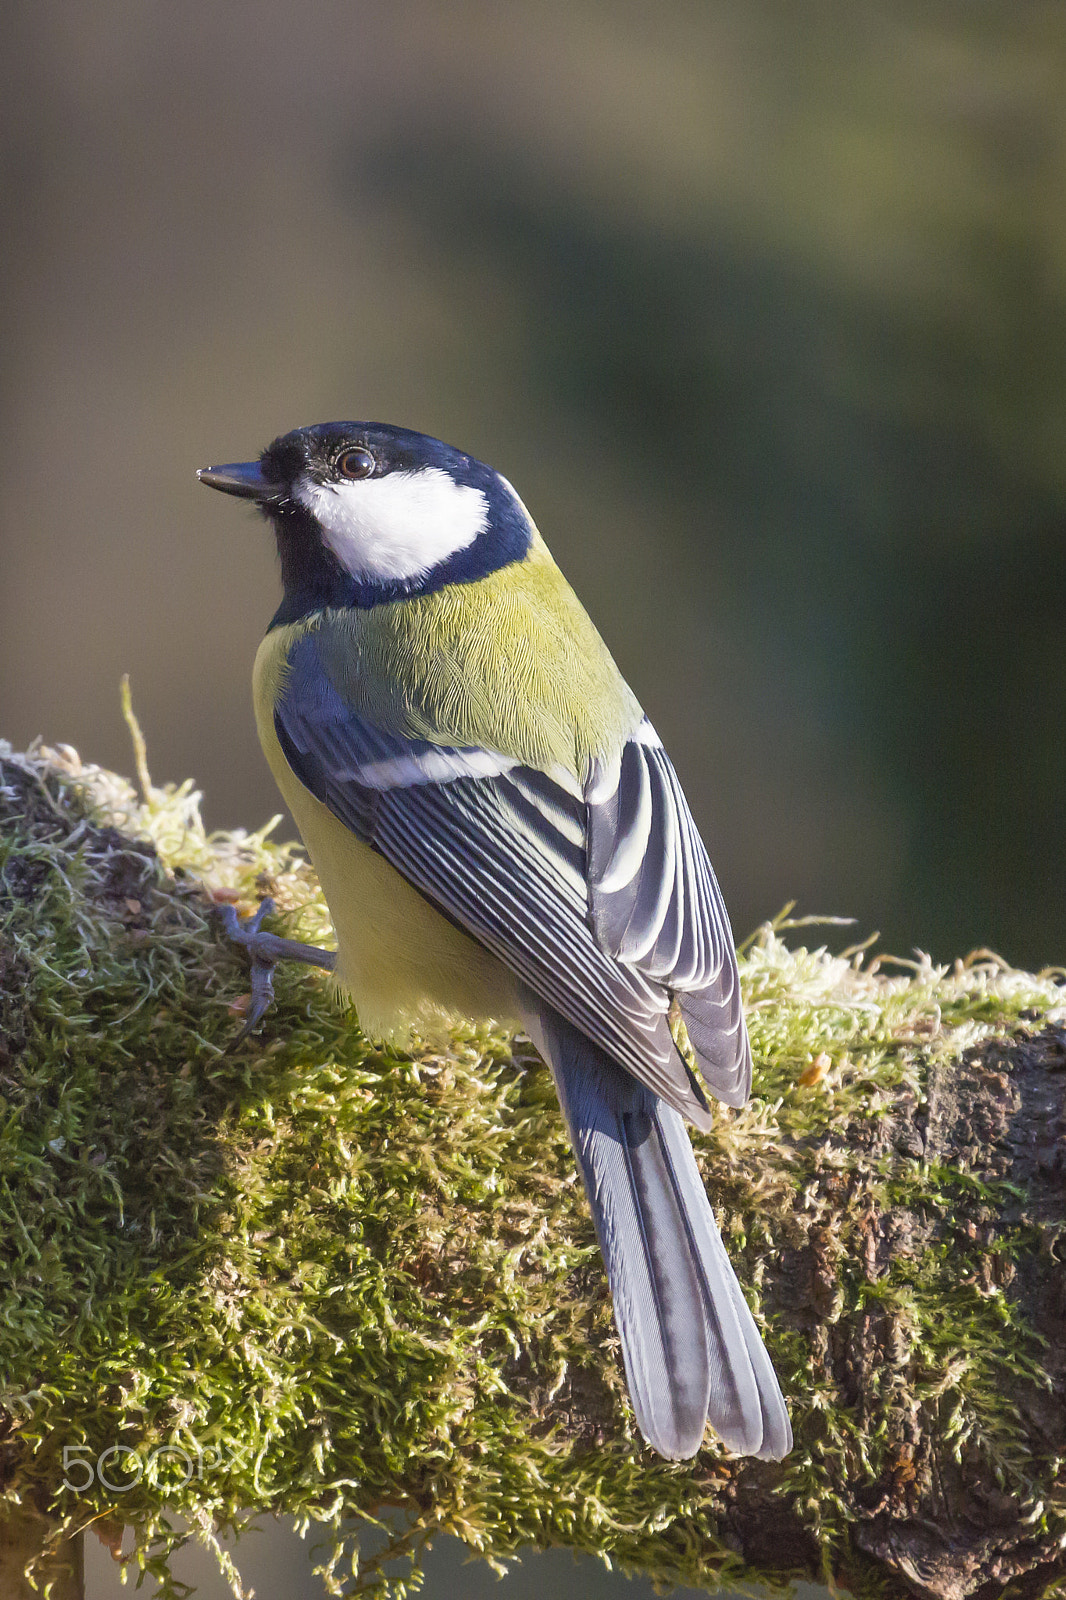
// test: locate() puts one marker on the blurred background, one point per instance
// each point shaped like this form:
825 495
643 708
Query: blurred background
761 307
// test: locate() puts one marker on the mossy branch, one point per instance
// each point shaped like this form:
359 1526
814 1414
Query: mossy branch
318 1277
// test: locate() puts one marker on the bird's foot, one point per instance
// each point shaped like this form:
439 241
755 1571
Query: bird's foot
265 950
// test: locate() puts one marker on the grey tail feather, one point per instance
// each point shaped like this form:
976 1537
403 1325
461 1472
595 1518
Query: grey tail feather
691 1349
714 1022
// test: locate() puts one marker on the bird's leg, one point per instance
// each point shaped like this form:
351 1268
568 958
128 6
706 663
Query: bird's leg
265 950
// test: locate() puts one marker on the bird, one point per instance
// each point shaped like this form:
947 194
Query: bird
499 833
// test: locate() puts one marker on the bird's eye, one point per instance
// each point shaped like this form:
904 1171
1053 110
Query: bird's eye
355 464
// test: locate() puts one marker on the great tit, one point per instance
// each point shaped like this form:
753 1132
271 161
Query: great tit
499 833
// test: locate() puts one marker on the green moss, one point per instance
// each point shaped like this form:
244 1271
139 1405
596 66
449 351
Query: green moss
318 1277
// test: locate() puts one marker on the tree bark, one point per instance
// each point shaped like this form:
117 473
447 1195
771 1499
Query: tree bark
315 1277
936 1518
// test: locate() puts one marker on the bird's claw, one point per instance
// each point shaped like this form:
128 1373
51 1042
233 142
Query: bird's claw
262 995
243 930
246 932
264 951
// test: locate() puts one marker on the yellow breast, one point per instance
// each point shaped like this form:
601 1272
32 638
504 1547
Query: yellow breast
405 966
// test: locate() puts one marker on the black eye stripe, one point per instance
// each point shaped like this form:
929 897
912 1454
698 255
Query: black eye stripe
358 463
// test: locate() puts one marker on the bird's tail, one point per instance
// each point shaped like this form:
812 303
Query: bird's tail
691 1349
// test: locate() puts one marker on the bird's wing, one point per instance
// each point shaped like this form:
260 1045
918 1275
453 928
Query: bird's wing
500 849
656 905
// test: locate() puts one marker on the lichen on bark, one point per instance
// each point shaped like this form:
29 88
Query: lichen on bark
319 1277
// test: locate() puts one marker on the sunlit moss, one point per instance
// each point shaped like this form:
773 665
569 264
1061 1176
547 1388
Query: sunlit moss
317 1277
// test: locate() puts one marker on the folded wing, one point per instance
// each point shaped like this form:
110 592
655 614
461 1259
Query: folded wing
499 848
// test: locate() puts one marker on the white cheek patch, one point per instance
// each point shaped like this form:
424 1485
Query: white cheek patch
398 526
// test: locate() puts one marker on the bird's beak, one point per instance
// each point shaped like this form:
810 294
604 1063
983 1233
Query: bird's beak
244 478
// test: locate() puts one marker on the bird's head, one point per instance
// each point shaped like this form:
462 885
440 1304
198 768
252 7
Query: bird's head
365 512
